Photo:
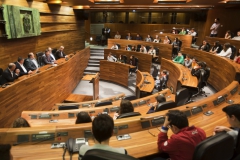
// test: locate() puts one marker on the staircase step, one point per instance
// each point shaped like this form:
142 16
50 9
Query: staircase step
87 72
93 64
96 57
97 69
93 61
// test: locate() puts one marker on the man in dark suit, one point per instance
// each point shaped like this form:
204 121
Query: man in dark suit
106 33
9 75
31 63
21 67
46 58
59 53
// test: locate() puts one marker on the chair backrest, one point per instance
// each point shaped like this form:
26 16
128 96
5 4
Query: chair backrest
208 47
218 147
182 96
39 58
157 51
165 105
119 47
1 71
233 52
155 72
67 107
130 114
207 74
147 48
105 103
125 58
180 43
136 62
98 154
130 97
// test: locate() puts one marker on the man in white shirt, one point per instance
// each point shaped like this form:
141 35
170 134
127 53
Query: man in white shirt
143 49
115 46
214 28
31 63
237 37
51 54
152 51
192 32
111 58
21 67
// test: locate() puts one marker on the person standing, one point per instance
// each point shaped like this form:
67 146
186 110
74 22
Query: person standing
214 28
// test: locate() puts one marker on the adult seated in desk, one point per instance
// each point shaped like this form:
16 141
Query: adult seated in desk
83 117
188 62
60 53
228 35
226 51
31 62
193 33
179 59
156 39
149 38
21 67
198 69
237 37
161 83
205 46
217 47
152 51
125 107
128 37
121 59
182 143
111 58
127 48
20 122
166 40
138 37
183 31
47 59
115 46
117 35
51 54
160 99
102 128
233 118
143 49
10 74
134 48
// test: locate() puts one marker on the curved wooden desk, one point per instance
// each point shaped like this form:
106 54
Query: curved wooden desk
114 72
179 75
165 50
41 91
144 81
144 60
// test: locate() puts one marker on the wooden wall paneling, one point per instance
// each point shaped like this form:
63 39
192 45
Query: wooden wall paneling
43 90
48 18
144 60
222 70
114 72
46 27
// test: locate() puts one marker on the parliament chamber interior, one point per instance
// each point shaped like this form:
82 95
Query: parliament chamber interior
169 49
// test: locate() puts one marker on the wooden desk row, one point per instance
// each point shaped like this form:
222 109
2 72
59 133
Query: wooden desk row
165 50
41 91
65 117
144 60
179 75
144 139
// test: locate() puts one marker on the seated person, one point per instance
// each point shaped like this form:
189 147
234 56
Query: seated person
192 32
128 37
237 59
134 48
21 67
117 35
47 59
217 48
83 117
194 62
111 58
228 35
204 46
237 37
157 39
188 62
127 48
179 59
148 39
233 117
115 46
143 49
60 53
5 152
102 129
174 31
160 99
51 54
20 122
31 63
161 82
183 31
138 37
152 51
120 59
10 74
226 51
166 40
125 107
182 143
196 71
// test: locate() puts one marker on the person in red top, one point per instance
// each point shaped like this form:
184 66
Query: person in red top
182 143
237 59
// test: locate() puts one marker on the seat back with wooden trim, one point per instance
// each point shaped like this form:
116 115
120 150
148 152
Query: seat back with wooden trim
98 154
130 97
130 114
182 96
165 106
67 107
105 103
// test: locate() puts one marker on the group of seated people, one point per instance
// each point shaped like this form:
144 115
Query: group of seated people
227 50
230 35
181 145
27 66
